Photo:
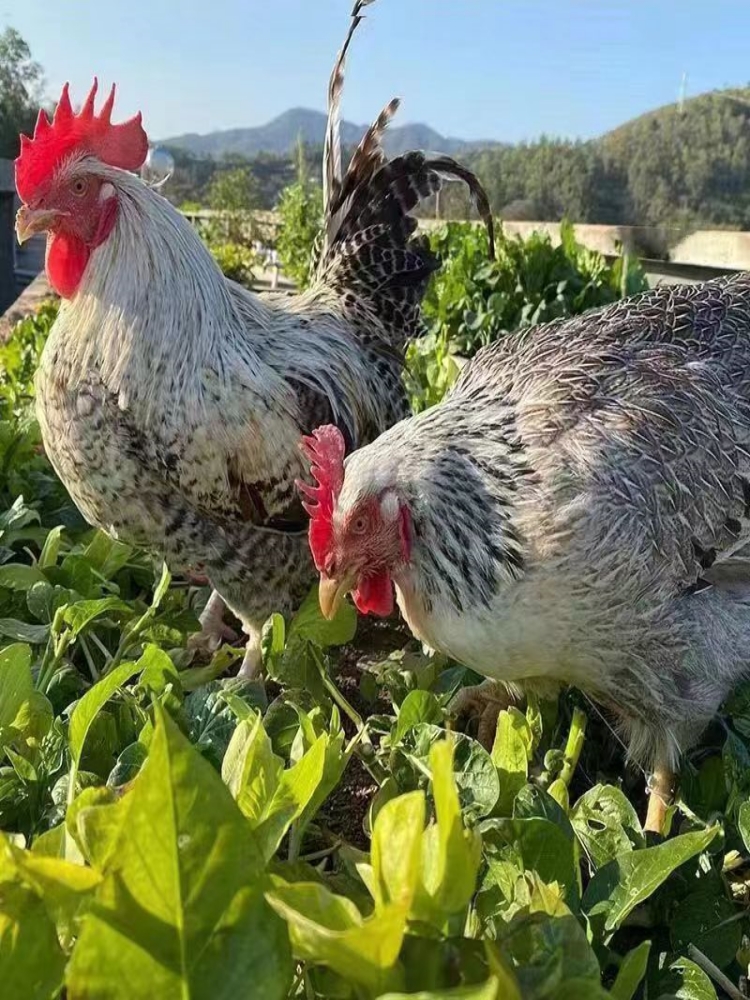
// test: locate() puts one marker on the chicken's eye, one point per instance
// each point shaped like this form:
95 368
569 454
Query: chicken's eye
359 524
79 186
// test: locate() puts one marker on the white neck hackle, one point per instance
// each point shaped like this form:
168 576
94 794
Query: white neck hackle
153 307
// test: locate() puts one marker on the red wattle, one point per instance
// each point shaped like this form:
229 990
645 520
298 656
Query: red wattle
67 257
374 595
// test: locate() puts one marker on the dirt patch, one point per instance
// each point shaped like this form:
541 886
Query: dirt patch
344 812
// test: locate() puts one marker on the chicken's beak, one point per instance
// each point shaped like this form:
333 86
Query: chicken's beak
30 221
332 591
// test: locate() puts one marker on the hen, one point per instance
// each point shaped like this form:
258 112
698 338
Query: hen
573 512
172 400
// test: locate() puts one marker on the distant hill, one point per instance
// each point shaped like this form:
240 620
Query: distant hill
280 135
683 166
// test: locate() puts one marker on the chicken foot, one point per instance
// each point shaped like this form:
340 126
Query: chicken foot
484 702
213 629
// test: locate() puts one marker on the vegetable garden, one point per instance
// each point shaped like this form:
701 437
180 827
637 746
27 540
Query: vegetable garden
170 830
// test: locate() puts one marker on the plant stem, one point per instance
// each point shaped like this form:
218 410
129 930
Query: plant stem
713 972
574 745
57 645
325 852
367 754
295 842
89 659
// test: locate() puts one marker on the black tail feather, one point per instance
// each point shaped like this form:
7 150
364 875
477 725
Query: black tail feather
369 252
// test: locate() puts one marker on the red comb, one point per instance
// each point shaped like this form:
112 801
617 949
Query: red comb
124 145
325 448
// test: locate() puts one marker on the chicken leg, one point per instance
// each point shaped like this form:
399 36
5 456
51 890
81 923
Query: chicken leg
252 661
213 629
661 788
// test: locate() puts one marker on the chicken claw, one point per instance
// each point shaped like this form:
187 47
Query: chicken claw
484 702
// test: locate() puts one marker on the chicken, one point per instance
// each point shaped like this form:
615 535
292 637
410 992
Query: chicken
574 512
171 400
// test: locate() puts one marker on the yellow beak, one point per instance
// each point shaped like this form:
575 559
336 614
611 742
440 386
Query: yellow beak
331 593
30 221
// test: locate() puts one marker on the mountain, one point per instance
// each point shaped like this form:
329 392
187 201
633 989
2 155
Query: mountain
280 136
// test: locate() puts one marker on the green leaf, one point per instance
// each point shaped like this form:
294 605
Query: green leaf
51 548
705 919
11 628
81 614
65 888
396 850
624 883
631 972
31 960
180 912
451 854
684 980
91 704
128 765
329 930
43 600
743 823
539 845
18 576
161 588
23 768
475 774
510 755
606 824
16 682
310 624
33 719
157 670
491 990
549 952
272 643
293 796
418 706
212 721
107 555
251 770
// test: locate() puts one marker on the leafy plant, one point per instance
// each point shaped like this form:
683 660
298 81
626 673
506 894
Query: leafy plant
476 300
236 261
234 193
301 212
472 301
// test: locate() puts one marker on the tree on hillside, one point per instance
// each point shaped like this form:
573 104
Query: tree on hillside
20 91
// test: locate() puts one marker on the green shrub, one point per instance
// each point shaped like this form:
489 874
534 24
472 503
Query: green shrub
301 211
236 261
235 193
475 300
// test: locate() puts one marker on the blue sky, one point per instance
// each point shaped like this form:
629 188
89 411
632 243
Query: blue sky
500 69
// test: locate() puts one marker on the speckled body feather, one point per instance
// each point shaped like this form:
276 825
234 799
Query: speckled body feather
580 504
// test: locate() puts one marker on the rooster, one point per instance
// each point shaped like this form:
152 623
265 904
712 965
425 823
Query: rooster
572 513
171 400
